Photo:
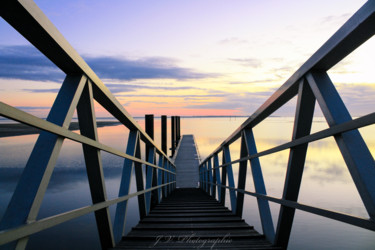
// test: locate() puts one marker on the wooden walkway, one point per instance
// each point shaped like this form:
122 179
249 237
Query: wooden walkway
191 219
187 163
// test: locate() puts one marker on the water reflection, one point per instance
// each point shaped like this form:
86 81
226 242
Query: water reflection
326 181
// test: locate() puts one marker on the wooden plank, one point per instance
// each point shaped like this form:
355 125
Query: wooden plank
190 219
202 214
224 210
170 208
212 226
187 162
219 233
206 226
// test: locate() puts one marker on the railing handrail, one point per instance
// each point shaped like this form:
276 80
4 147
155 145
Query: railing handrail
24 16
78 92
357 30
311 84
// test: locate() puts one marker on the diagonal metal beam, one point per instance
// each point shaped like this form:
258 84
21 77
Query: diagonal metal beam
241 177
260 187
353 148
229 170
216 164
121 209
28 195
139 182
165 179
211 187
160 178
93 160
214 179
223 180
297 155
149 177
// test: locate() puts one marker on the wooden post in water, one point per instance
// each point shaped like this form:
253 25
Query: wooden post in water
178 130
164 134
149 127
173 134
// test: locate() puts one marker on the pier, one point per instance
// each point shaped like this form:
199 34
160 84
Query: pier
182 199
190 218
187 163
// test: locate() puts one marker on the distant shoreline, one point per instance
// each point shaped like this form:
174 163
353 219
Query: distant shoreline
17 129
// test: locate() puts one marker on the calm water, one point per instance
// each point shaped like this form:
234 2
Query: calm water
326 183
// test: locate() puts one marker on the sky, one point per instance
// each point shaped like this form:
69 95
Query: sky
196 57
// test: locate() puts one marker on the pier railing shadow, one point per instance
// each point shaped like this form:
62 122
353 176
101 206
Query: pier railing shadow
311 84
77 93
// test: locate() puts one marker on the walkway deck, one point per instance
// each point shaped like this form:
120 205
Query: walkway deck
191 219
187 163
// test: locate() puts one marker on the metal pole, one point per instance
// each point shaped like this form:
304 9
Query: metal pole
173 134
149 127
178 129
164 134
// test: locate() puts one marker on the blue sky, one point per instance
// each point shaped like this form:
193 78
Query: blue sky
187 57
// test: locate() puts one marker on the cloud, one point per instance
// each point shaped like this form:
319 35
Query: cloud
31 108
246 103
335 20
139 101
358 98
233 41
146 68
255 81
174 96
118 88
195 98
27 63
42 90
247 62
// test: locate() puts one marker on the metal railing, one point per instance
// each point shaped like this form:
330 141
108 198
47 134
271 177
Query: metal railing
310 83
78 92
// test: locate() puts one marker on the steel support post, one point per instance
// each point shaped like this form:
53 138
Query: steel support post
302 126
28 195
94 168
218 181
164 145
121 208
232 193
353 148
260 187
